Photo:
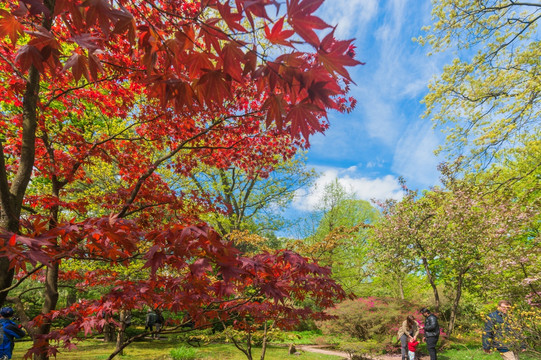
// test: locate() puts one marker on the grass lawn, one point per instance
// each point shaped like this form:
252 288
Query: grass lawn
93 349
153 349
458 352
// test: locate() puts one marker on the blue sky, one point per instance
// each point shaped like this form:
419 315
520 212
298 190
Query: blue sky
384 137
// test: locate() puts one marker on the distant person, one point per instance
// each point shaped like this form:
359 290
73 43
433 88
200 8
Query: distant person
498 333
9 331
412 348
407 332
150 320
432 332
159 322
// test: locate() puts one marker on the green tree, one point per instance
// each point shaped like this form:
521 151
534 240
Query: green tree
250 199
339 237
453 232
488 98
518 265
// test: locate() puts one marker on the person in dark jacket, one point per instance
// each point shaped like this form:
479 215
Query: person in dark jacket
150 321
432 332
9 331
498 333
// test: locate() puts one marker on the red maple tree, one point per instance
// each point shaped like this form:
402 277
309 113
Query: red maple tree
147 87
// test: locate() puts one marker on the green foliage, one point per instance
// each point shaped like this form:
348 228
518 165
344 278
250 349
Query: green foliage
253 199
337 233
474 352
488 97
362 350
184 353
298 337
372 321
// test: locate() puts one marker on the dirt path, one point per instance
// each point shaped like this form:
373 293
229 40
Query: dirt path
321 350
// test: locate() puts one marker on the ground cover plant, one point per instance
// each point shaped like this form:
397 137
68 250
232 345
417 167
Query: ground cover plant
92 349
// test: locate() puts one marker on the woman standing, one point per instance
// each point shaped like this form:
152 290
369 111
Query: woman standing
407 332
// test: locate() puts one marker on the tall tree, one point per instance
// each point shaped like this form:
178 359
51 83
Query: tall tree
186 57
141 86
453 230
340 234
400 243
251 199
488 97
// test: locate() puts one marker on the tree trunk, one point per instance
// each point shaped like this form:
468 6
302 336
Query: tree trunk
12 196
51 280
109 331
264 344
49 304
121 335
401 287
249 346
456 302
430 278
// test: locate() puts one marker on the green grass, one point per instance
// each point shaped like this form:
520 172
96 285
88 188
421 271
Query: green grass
154 349
458 352
184 353
93 349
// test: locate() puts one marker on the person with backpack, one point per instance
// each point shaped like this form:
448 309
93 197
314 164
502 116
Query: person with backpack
9 331
501 334
150 320
159 322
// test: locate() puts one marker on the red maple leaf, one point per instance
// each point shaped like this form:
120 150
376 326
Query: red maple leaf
335 55
9 26
277 35
78 64
304 120
303 22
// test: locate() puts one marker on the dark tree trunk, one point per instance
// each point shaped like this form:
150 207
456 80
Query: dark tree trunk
400 287
121 335
109 332
432 282
12 197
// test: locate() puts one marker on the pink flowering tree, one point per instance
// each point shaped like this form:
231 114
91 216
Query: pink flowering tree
454 231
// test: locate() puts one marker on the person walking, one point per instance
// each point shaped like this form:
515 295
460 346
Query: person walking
150 320
407 332
499 335
159 322
432 332
9 331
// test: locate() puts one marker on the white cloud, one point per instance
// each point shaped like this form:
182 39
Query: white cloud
414 155
380 116
396 72
353 181
351 17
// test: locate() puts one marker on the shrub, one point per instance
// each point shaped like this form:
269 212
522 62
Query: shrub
370 320
361 350
184 353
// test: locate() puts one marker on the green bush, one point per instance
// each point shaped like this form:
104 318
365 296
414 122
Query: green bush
361 350
370 320
184 353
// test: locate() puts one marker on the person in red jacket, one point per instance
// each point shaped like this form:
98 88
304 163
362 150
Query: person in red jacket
412 348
